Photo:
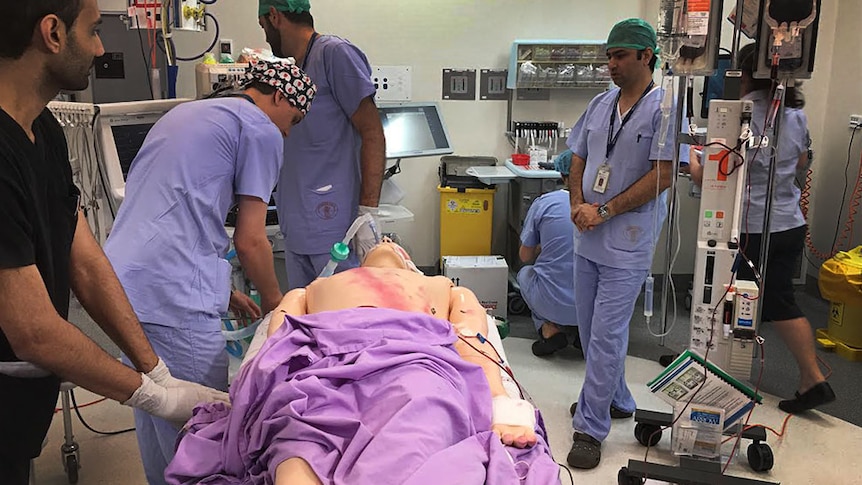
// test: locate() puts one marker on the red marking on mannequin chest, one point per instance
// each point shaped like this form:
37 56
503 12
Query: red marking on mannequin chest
390 290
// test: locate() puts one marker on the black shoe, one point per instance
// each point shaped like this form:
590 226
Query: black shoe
576 343
666 360
616 413
547 346
818 395
586 451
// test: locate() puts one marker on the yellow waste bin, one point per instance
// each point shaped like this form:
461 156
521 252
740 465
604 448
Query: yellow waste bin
465 221
840 282
845 324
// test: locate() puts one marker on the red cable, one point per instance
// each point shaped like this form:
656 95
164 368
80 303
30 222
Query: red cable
804 201
847 231
82 406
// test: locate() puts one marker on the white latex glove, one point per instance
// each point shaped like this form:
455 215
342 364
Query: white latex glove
161 375
174 404
367 236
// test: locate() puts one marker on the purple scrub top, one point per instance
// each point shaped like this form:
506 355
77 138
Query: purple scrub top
168 243
626 240
318 190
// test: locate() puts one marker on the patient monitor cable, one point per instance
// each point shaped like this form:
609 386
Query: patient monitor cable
81 418
498 361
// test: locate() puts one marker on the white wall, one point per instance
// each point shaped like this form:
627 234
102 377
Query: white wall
834 100
113 5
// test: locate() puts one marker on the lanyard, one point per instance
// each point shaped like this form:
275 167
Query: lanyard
612 139
308 50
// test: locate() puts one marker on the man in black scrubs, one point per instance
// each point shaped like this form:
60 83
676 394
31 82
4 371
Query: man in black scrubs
46 247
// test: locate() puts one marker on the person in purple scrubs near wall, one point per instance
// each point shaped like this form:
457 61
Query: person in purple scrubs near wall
333 162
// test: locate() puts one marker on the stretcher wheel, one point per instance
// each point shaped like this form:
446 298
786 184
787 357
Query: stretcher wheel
760 457
647 434
71 465
625 478
516 303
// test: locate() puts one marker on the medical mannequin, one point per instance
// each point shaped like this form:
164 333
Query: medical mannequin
377 374
385 281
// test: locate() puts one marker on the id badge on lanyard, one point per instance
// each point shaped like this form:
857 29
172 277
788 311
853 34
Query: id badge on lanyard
601 183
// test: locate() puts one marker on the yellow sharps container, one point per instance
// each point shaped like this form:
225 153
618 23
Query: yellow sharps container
466 215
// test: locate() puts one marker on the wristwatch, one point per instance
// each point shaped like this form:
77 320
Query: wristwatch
604 212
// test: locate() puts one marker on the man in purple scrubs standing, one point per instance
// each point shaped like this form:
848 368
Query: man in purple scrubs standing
334 161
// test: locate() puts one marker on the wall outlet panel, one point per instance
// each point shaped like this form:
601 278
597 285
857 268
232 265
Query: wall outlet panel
459 85
393 83
492 85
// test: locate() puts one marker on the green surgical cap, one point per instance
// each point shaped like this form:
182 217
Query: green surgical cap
632 34
563 162
292 6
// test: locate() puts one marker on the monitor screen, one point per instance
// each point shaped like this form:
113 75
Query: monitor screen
414 130
129 139
120 132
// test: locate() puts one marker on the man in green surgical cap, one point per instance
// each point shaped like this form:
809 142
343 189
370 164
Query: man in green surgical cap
334 160
617 184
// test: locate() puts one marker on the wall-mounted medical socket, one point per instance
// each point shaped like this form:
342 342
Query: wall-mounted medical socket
393 83
225 47
459 85
492 84
855 121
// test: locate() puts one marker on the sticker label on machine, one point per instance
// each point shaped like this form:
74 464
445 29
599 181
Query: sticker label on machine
466 206
698 17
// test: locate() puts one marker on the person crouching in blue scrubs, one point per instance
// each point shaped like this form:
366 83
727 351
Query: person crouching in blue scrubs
617 167
547 285
168 243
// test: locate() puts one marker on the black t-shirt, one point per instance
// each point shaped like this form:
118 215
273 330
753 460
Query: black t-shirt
38 215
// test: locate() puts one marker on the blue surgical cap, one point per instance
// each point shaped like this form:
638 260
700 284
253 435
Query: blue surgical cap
563 162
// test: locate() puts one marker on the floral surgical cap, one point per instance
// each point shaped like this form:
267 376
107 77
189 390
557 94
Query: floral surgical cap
288 78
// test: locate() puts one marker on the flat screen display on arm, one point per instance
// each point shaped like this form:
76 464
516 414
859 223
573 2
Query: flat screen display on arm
414 130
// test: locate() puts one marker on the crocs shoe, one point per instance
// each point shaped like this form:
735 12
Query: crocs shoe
586 451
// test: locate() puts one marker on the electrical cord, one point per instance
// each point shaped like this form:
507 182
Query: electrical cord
848 226
146 63
571 478
208 49
81 418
